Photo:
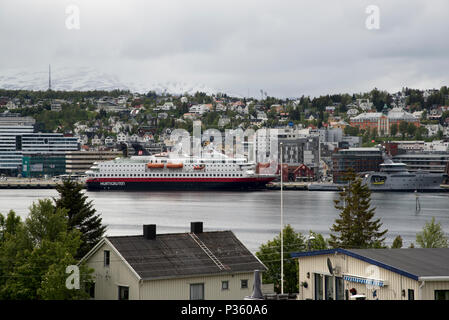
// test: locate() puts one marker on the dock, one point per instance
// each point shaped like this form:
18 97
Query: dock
288 185
24 183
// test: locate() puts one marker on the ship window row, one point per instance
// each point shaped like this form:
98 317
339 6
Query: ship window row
170 175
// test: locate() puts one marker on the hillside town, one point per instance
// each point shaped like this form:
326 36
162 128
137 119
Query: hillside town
314 132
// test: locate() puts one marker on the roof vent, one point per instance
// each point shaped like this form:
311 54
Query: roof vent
149 231
196 227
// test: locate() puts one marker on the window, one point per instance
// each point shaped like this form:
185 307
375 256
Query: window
123 293
197 291
411 294
106 258
441 294
225 285
244 284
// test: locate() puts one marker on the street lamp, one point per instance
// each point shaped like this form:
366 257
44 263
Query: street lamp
309 238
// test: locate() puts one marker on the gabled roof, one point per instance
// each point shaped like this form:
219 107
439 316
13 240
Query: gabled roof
414 263
178 255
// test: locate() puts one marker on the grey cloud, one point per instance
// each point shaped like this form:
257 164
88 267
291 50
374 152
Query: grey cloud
288 48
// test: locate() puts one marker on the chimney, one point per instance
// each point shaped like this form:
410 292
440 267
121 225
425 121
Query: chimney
149 231
196 227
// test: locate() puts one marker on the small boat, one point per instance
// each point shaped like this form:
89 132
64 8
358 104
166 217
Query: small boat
155 165
199 167
174 165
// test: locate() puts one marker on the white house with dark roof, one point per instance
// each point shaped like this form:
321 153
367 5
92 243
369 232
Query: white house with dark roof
374 274
195 265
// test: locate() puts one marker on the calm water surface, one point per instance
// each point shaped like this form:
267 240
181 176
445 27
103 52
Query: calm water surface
253 216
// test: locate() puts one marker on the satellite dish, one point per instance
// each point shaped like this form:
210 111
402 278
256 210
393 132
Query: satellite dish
329 266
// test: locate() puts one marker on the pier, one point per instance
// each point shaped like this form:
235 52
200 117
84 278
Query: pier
288 185
24 183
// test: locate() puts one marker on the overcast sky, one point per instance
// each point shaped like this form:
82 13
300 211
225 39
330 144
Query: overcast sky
286 48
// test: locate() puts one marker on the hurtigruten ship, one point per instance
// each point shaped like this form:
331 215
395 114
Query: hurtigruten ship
160 172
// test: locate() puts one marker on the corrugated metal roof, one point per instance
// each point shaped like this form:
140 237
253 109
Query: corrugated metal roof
422 262
178 255
411 262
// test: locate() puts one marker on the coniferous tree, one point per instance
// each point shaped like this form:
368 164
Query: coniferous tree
356 226
81 215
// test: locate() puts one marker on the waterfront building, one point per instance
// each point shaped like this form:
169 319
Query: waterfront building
427 161
357 159
374 274
41 165
78 162
17 138
12 125
197 265
383 122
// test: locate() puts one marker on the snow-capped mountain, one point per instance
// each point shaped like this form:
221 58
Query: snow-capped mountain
84 79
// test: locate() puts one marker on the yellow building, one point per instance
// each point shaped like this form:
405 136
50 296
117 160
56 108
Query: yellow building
374 274
181 266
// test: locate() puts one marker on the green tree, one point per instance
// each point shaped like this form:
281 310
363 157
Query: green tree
432 236
270 254
394 129
356 226
397 243
411 129
39 249
81 215
403 126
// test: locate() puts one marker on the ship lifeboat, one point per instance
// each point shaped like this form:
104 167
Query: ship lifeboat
199 167
263 165
174 165
155 165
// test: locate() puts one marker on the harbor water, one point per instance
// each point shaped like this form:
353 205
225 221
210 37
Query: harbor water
253 216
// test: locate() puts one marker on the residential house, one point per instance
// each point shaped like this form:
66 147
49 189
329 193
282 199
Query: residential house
433 129
10 105
96 141
352 112
122 137
374 274
190 116
109 141
184 100
223 121
199 109
195 265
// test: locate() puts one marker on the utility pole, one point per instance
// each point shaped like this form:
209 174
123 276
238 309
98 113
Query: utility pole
282 226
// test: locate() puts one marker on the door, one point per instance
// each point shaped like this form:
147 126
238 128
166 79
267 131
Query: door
329 287
318 286
339 289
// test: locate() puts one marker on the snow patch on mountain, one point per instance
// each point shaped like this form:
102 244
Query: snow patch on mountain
85 79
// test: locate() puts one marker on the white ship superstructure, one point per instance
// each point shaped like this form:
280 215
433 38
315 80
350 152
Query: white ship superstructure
216 171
